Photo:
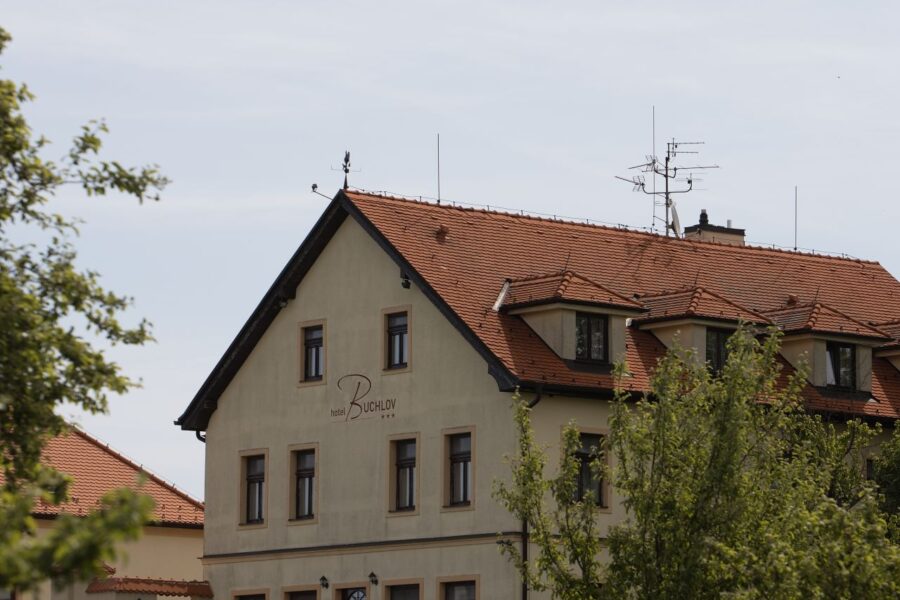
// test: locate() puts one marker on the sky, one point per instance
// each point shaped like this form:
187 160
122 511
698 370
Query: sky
538 105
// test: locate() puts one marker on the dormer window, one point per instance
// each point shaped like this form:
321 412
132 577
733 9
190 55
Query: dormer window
840 365
591 338
717 348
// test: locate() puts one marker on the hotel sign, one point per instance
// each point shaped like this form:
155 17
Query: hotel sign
355 400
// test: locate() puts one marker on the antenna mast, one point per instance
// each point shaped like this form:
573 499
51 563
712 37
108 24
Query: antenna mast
668 170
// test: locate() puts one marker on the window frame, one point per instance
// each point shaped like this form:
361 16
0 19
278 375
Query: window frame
606 337
832 351
342 587
392 331
302 378
386 313
448 435
294 589
584 459
238 594
394 474
244 489
715 368
294 451
442 583
392 583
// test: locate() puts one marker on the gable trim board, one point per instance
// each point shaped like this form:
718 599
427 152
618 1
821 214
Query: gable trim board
196 416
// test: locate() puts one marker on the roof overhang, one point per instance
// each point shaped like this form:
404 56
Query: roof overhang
595 307
838 336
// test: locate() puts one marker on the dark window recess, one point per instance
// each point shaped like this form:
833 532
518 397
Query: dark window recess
589 482
717 348
313 353
397 340
251 597
354 594
459 590
306 484
404 592
460 469
256 481
591 338
870 469
405 451
840 365
310 595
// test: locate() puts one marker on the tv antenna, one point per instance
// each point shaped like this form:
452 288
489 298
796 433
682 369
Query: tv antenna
345 167
669 171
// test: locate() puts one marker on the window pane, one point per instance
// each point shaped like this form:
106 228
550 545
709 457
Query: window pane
254 502
305 490
256 465
353 594
460 443
312 334
598 338
397 320
406 450
581 336
306 460
829 368
404 592
459 591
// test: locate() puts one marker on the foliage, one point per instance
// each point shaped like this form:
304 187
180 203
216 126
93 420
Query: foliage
51 316
731 490
887 476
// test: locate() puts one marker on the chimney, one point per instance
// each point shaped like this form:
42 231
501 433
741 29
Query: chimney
704 232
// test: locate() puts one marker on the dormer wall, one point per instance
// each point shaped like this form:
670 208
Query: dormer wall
687 334
811 351
555 325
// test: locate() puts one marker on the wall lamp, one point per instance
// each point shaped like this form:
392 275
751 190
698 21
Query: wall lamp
404 281
323 581
373 578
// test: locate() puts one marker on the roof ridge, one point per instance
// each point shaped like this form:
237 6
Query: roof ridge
138 467
622 229
565 280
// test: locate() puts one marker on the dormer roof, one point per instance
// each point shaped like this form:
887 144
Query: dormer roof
696 303
563 287
891 328
820 318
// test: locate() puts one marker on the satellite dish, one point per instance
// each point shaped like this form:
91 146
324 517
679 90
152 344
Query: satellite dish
676 224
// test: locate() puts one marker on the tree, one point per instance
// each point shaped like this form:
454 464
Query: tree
53 316
731 489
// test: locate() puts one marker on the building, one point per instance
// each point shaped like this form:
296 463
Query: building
356 423
165 561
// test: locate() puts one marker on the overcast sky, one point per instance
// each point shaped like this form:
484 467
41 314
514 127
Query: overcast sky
539 105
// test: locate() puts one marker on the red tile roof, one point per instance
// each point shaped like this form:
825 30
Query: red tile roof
158 587
475 251
696 303
96 469
564 286
820 318
892 328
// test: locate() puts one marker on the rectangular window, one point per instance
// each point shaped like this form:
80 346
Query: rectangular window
251 597
459 590
254 488
840 365
397 340
589 482
305 484
403 592
307 595
870 469
460 469
591 342
717 348
313 353
405 474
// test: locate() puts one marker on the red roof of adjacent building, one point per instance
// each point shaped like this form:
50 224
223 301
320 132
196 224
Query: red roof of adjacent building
96 469
564 286
696 303
158 587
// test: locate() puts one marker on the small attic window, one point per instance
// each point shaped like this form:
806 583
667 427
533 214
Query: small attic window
591 338
840 365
